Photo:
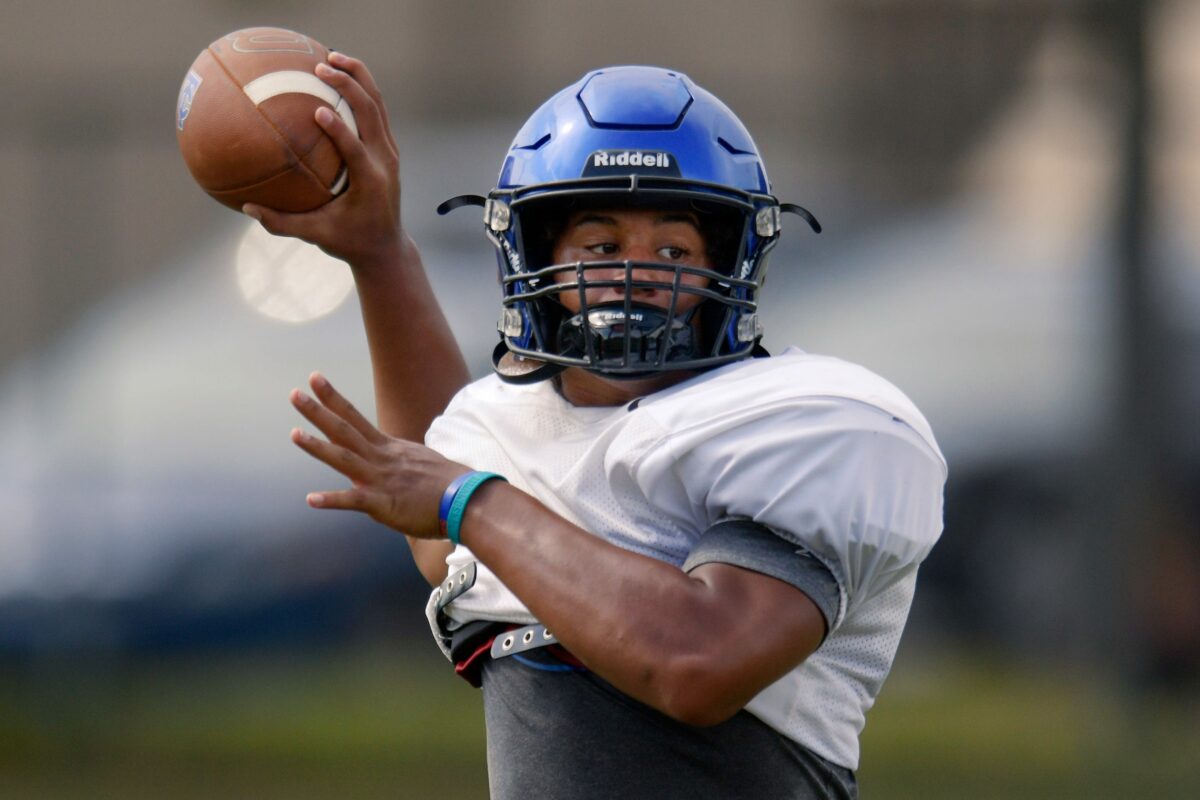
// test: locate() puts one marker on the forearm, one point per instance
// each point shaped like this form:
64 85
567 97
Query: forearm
651 630
416 362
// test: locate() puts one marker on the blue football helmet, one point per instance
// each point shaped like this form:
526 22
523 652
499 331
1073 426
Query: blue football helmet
629 137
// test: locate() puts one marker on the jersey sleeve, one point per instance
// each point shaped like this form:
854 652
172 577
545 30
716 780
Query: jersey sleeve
853 485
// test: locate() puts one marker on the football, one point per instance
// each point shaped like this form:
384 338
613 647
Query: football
245 125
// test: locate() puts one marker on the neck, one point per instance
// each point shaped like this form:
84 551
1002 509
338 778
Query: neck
583 388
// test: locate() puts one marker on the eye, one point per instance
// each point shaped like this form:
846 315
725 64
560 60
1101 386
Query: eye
672 253
602 248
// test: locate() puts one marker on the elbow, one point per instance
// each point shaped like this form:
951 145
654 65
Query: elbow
704 715
697 696
430 559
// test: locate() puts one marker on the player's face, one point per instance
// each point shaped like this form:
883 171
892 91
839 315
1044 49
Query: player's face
647 235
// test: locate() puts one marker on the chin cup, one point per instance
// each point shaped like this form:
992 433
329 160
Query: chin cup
612 335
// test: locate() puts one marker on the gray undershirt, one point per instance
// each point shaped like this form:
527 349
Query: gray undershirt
558 732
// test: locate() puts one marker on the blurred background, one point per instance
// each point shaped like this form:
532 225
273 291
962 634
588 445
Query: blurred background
1010 191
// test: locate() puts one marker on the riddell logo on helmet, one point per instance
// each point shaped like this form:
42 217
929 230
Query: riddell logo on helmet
655 163
631 158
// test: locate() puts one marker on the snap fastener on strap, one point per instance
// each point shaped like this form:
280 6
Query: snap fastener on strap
455 584
516 641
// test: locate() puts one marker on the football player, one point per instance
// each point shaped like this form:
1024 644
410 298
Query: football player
676 565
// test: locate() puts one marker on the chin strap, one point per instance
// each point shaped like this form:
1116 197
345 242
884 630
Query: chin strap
520 370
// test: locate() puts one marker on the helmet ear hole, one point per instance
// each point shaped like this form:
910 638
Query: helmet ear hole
722 228
541 224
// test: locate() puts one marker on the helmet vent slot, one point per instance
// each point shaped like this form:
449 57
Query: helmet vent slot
737 151
536 145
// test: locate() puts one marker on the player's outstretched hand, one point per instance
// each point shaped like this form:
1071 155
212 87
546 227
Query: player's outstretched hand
361 225
396 482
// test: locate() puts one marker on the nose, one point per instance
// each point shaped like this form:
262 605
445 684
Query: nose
648 274
644 255
640 275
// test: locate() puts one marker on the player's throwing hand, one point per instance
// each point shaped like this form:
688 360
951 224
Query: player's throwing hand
362 225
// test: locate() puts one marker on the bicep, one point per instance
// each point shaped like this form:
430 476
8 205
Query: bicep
771 605
773 625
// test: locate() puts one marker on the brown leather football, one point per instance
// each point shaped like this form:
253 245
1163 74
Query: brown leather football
245 123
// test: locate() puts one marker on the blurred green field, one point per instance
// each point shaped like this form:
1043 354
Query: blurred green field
381 722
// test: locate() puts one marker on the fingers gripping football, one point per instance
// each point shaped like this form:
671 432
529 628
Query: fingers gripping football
362 225
363 81
396 482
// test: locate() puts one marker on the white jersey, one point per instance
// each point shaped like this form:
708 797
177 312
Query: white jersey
823 452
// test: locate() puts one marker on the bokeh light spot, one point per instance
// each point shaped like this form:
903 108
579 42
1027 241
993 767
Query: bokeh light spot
287 279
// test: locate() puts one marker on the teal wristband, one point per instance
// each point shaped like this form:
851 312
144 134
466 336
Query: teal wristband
461 497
